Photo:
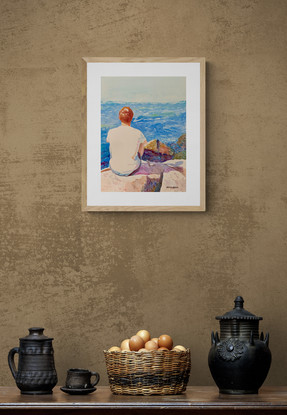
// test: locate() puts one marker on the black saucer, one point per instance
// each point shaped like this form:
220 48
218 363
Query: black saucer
77 391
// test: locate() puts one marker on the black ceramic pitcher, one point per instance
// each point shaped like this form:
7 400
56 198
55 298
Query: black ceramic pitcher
36 374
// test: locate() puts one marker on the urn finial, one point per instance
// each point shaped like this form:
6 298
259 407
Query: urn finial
238 302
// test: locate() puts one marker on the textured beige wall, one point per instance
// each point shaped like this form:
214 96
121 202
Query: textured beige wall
92 279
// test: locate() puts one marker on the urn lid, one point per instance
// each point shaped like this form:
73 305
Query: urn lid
36 334
238 313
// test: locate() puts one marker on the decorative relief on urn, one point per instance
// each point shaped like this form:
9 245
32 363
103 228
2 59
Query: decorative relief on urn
231 349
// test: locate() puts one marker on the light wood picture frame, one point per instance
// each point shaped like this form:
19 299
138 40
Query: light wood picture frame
143 145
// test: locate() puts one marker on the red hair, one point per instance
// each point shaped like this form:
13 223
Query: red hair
126 115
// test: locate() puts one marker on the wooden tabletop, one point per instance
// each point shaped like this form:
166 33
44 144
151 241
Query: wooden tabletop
195 400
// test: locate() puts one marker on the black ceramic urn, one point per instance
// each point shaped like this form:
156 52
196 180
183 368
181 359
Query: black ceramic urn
36 374
239 361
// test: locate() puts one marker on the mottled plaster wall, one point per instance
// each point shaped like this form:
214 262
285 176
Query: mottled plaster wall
92 279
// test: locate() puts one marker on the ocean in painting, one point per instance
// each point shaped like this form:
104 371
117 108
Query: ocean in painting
163 121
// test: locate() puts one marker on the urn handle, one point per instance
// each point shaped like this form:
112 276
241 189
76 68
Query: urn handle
11 361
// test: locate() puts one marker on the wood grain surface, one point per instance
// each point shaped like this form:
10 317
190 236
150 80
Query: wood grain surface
195 399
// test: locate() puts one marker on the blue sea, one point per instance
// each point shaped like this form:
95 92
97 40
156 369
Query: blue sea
163 121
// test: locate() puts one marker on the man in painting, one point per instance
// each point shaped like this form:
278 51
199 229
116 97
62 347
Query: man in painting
126 145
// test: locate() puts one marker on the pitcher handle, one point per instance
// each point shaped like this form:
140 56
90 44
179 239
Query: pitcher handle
11 361
97 378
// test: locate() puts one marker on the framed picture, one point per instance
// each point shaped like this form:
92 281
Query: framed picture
144 134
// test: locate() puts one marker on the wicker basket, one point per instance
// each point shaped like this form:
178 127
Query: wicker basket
148 373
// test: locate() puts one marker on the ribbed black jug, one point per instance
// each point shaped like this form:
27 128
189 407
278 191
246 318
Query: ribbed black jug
36 374
239 360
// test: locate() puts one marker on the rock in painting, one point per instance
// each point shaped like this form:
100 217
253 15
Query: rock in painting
110 182
178 165
179 148
168 176
155 150
173 181
181 142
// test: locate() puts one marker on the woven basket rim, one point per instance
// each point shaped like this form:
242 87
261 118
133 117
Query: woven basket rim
149 351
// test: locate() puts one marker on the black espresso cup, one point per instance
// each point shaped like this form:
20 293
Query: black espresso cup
81 379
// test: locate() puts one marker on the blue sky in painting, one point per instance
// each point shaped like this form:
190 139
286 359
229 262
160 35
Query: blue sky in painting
143 89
